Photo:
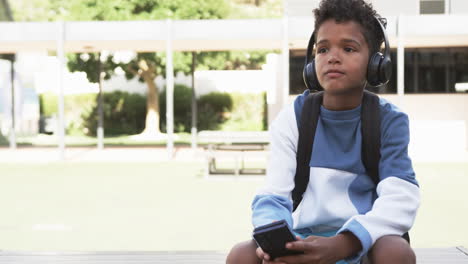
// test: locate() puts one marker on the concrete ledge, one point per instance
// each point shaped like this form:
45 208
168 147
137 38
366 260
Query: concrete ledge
424 256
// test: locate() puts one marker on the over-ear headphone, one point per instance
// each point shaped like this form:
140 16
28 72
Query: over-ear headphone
379 68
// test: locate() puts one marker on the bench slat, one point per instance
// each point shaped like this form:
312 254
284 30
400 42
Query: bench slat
455 255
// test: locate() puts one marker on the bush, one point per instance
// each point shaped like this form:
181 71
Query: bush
48 105
3 140
182 109
248 113
124 113
75 106
219 102
213 110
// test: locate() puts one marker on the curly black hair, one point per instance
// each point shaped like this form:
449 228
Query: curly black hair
352 10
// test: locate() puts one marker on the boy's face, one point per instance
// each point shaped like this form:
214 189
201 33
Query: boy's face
341 56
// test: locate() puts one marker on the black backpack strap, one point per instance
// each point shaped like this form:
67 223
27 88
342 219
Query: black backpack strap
370 129
307 126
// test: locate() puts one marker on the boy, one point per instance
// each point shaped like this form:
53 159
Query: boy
343 217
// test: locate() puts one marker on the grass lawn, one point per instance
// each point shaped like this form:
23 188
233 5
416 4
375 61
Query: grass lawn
171 206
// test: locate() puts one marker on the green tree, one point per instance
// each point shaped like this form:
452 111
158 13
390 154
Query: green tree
145 66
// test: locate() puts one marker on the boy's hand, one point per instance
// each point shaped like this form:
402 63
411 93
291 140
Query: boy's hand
263 256
266 259
322 250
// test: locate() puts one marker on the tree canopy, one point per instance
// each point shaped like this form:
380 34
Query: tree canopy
145 66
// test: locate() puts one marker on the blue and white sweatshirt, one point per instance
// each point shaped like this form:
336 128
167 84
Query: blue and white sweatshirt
340 195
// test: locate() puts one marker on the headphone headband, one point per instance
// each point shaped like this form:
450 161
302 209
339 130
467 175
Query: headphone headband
382 25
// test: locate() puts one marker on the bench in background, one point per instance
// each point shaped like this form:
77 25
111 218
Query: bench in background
237 146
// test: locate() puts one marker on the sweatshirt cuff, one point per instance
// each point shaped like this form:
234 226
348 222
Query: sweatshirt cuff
362 234
269 208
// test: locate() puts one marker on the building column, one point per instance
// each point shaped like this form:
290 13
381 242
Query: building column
12 138
61 104
169 91
194 104
100 128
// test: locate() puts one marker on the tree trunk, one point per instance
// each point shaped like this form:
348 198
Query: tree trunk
152 105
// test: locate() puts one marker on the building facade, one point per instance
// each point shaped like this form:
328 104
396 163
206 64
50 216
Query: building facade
427 70
389 8
435 71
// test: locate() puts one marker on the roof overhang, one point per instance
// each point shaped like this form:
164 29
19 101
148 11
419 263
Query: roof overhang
213 35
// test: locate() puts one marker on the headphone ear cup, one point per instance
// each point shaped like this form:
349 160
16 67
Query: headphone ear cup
310 76
373 69
385 70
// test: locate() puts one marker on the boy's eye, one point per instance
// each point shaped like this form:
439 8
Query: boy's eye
321 50
349 49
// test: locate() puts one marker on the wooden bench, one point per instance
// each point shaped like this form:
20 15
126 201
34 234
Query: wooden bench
453 255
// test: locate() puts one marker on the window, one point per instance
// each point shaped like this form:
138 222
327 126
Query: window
432 6
427 70
435 70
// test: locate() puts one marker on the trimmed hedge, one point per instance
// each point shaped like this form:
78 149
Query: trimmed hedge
3 140
248 113
211 109
182 109
124 114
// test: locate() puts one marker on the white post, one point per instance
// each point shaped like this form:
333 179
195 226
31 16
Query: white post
100 129
169 91
61 65
285 62
194 105
400 62
447 7
13 105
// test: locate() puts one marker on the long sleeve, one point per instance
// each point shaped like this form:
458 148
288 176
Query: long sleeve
273 200
398 196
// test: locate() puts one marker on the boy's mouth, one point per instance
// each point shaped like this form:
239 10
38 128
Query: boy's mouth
333 73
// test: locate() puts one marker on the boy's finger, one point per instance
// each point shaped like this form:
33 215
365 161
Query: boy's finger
291 259
299 245
311 238
262 255
259 252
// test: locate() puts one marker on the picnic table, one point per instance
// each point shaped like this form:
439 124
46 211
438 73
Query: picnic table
452 255
238 146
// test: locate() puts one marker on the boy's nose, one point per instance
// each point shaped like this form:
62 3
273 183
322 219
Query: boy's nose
332 59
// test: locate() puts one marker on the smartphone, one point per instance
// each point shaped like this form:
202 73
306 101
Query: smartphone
272 238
